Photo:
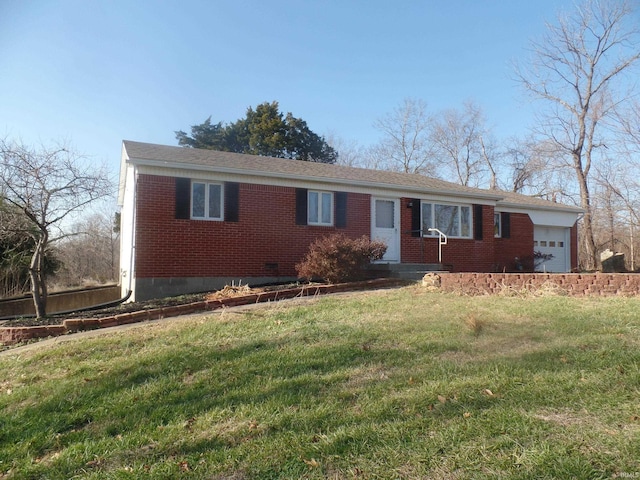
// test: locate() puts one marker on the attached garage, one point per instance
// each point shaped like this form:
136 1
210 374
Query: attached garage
555 241
554 231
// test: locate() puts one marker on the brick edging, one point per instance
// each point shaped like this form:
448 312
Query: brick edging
572 284
13 335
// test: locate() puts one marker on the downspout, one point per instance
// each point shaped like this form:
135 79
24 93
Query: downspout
130 272
133 228
580 217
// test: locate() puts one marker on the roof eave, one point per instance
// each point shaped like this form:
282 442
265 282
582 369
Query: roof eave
289 176
532 206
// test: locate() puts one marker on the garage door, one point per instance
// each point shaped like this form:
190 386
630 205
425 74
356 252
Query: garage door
553 241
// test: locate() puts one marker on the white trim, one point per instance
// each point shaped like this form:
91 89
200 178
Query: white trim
300 181
519 208
397 226
128 231
318 184
553 219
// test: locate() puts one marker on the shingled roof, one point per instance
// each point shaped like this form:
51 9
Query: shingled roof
214 160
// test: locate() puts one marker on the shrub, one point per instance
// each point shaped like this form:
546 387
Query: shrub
338 258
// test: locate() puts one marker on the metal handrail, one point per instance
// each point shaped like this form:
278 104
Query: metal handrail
442 240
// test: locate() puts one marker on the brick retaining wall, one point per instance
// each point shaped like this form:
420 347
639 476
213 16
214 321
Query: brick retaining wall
576 284
13 335
61 301
568 283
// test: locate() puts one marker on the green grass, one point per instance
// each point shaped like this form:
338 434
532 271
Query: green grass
392 384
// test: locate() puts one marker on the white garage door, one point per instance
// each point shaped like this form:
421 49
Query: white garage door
554 241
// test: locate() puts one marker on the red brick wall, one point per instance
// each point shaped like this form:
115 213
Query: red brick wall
410 245
574 247
265 233
470 255
519 244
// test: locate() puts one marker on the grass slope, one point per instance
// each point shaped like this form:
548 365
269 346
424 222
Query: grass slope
391 384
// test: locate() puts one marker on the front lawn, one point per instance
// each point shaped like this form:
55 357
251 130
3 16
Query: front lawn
389 384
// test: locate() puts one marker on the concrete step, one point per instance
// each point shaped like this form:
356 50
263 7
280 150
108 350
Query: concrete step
406 271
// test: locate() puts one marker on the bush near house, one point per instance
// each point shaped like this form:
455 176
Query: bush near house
338 258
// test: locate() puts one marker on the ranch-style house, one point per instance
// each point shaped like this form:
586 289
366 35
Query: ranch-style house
195 220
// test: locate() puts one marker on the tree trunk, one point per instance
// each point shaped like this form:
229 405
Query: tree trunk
587 224
36 274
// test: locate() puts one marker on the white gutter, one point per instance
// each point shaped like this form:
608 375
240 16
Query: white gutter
533 206
313 179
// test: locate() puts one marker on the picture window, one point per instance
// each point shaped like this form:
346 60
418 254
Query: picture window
452 220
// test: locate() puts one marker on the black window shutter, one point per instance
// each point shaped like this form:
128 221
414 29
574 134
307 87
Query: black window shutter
505 220
183 198
341 209
477 222
231 201
301 206
416 217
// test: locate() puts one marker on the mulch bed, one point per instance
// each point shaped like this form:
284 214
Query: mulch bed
226 292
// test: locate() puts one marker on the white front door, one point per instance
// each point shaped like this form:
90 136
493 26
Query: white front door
385 226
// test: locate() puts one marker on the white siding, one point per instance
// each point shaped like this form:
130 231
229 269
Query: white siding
127 232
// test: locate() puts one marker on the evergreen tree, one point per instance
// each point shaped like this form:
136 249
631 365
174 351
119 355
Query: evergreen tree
264 131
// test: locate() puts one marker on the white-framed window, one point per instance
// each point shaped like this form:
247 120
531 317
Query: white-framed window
497 225
320 208
452 220
207 201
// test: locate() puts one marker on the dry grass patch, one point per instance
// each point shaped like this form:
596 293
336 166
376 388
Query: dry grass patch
546 289
400 384
476 325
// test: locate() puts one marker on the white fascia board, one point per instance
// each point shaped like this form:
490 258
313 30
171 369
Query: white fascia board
528 208
124 166
539 215
301 181
553 219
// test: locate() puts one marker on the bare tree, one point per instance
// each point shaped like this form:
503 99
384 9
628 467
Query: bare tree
525 167
47 185
574 69
627 181
489 155
537 169
405 146
458 137
15 251
618 198
90 256
349 152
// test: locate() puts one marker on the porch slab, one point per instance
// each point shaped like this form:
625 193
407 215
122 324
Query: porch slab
406 271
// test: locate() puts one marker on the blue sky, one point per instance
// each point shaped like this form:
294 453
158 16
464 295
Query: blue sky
96 72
